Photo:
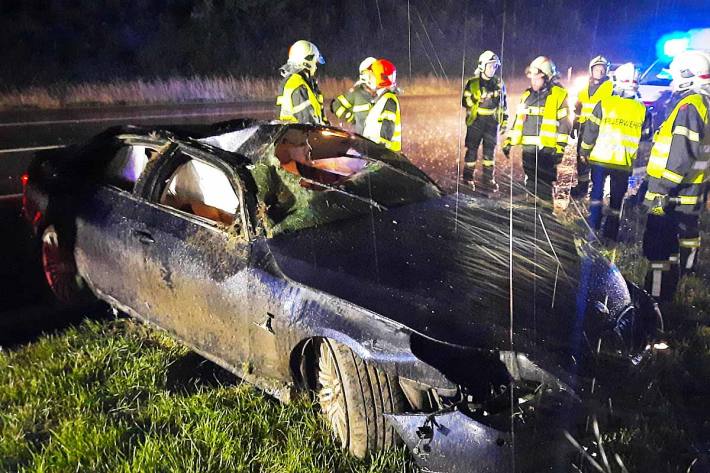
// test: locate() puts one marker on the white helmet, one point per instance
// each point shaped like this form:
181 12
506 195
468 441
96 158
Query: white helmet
599 61
626 78
304 55
366 63
691 71
543 65
487 57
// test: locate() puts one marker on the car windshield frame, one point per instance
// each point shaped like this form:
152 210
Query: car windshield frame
317 199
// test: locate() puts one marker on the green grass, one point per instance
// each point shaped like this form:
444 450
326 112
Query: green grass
116 396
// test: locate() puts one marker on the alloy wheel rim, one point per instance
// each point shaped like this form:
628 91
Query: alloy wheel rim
330 393
59 273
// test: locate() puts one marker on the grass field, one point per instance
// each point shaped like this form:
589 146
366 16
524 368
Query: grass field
112 395
188 90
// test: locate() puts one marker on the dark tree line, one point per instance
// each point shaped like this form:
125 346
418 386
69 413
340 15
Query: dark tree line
53 41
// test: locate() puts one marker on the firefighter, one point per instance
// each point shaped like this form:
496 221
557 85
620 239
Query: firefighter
676 176
352 106
610 142
300 100
542 127
484 99
598 87
383 123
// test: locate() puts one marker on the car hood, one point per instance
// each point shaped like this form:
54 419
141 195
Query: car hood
443 269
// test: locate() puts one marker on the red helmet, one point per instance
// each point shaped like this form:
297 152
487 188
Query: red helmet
385 74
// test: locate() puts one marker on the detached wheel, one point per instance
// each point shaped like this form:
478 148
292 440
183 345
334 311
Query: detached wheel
60 269
353 396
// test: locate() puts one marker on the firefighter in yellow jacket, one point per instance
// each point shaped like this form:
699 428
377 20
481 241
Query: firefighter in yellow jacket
542 127
384 123
300 100
353 105
484 99
610 143
598 87
677 175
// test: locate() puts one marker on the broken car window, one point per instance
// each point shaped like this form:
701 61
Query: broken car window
127 165
203 190
311 177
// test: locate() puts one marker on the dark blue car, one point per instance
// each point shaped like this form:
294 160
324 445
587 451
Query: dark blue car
308 258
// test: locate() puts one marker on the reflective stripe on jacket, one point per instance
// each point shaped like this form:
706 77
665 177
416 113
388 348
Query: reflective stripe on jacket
680 155
300 101
353 106
544 126
484 98
613 132
383 124
588 102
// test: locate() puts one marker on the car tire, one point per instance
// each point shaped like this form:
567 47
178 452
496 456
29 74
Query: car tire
60 270
353 396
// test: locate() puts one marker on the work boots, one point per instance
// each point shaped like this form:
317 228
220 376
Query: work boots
468 171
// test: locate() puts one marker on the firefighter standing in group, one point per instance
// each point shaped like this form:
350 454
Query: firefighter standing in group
484 99
610 142
353 106
383 123
542 127
677 174
300 100
598 87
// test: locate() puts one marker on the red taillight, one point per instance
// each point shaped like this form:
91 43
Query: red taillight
25 179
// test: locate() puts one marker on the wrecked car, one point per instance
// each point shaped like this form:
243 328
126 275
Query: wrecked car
308 258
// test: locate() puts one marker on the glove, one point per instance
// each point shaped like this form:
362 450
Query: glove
658 205
506 148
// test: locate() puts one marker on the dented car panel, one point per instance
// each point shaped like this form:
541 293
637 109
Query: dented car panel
374 257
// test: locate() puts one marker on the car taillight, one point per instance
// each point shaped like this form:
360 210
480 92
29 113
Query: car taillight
24 179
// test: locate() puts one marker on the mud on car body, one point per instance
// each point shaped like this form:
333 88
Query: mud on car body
307 258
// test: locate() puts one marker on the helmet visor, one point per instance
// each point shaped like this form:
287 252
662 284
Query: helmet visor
319 58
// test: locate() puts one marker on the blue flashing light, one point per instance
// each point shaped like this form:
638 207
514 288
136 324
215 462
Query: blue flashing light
673 47
672 44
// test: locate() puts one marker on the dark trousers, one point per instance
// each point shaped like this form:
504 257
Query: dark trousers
670 243
483 129
618 183
541 175
581 189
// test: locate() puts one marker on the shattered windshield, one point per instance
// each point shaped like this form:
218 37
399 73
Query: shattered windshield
308 177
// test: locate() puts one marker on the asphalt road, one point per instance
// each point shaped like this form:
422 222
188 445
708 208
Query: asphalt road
24 132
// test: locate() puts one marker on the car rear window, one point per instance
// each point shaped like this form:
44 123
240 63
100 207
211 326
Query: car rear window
127 166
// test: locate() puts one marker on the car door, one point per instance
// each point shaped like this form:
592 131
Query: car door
194 280
107 249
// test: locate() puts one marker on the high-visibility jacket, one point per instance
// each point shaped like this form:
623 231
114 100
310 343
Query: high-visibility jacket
484 98
383 123
300 100
353 106
613 132
680 155
586 101
542 120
